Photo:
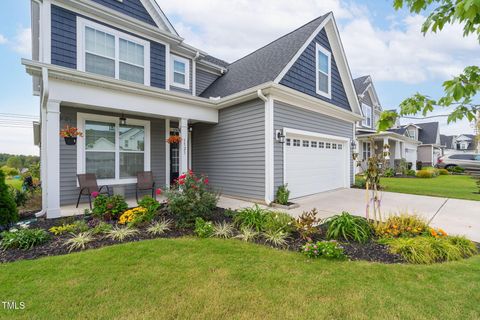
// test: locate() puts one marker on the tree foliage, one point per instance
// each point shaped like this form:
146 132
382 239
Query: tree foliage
460 91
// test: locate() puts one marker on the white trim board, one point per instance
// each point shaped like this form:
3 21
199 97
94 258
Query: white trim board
81 166
320 48
186 62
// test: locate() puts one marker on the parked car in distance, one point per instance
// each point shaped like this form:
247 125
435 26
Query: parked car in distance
469 161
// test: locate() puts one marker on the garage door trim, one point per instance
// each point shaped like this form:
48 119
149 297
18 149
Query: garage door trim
287 131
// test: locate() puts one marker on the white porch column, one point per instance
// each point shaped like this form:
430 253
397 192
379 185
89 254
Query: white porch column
167 153
51 147
184 145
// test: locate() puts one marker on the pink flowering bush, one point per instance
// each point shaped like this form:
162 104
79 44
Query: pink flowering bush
190 198
325 249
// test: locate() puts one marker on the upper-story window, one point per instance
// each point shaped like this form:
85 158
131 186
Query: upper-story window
111 53
367 114
412 133
180 72
324 79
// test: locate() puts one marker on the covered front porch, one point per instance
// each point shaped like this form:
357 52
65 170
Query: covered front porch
396 149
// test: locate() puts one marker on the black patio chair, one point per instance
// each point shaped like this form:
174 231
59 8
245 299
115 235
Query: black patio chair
88 185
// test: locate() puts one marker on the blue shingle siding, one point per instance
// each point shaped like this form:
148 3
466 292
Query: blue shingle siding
302 75
288 116
64 45
132 8
64 37
157 65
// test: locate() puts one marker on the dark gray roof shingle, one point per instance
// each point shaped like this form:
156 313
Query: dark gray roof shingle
446 141
262 65
398 130
216 61
361 84
428 132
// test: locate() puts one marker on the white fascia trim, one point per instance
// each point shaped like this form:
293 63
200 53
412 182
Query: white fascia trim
173 58
46 32
82 117
302 49
158 16
82 23
290 131
319 48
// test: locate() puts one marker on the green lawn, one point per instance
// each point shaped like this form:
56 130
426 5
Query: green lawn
16 183
460 187
228 279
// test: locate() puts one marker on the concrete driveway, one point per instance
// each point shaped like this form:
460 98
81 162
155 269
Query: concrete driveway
460 217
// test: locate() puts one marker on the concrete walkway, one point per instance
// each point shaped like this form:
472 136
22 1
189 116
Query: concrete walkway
460 217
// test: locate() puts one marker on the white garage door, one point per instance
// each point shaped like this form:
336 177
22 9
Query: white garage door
315 164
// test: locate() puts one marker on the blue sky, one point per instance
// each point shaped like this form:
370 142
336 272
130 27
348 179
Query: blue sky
378 41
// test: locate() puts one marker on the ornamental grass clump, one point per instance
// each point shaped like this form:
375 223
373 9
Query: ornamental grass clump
276 238
160 227
121 234
190 198
348 227
79 241
223 230
251 218
402 225
247 234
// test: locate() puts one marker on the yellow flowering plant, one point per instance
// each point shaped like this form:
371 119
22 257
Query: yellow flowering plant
133 216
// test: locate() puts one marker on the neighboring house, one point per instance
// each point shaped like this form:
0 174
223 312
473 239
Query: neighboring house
400 146
285 113
428 134
458 144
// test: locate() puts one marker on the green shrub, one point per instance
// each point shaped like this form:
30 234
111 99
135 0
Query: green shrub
282 195
278 221
64 228
79 241
9 171
360 183
443 172
101 228
323 249
306 224
150 204
23 239
389 172
427 250
348 227
203 229
456 169
19 196
251 217
109 207
189 198
402 225
419 165
424 174
8 208
411 173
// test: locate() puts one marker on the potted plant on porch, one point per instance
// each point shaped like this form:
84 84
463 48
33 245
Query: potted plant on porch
70 135
174 139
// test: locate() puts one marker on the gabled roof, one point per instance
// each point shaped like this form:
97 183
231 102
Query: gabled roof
446 141
428 132
264 64
364 84
400 130
361 84
158 16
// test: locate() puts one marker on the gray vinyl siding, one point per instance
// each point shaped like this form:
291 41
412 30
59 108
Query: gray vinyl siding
367 99
287 116
232 152
68 155
132 8
64 45
302 75
182 90
203 80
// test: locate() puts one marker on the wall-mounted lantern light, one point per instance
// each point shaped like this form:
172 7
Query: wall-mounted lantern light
279 136
123 120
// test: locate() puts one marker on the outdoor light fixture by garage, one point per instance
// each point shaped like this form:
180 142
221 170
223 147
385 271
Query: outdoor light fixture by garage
279 136
353 146
123 120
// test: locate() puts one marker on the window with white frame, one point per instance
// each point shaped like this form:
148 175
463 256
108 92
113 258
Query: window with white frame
109 52
180 72
367 150
412 133
113 152
324 79
367 114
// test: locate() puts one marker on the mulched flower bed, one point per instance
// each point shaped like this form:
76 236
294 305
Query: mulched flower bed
370 251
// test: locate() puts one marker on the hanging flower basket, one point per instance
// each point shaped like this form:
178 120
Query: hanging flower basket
70 135
174 139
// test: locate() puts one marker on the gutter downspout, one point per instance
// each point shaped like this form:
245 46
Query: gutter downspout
268 146
194 73
43 136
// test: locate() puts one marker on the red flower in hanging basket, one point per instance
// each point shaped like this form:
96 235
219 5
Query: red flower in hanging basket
70 132
174 139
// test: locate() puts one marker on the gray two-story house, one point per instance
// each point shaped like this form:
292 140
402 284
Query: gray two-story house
119 72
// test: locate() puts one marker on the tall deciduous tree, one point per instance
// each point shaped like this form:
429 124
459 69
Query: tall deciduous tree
460 91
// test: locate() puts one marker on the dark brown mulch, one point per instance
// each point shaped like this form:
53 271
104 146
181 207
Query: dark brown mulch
370 251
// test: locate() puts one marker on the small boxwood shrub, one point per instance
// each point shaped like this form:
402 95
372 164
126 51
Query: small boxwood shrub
389 172
425 174
455 169
203 229
348 227
282 195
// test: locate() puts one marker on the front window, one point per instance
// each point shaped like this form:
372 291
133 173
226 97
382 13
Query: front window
367 150
180 72
111 53
323 71
112 151
367 113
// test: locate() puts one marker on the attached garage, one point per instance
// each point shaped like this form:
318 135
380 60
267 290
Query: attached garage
315 163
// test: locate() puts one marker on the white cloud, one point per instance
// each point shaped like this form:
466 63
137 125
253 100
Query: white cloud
22 43
232 29
17 141
3 40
